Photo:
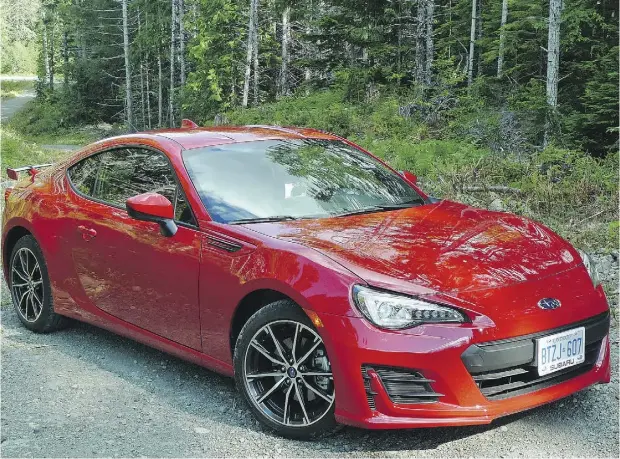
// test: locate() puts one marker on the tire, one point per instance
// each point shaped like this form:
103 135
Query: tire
283 320
30 288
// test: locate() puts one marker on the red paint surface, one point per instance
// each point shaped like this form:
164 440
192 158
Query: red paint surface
180 294
152 204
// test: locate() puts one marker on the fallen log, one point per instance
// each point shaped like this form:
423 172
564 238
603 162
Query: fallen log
494 188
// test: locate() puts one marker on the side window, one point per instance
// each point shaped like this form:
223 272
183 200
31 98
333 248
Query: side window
182 211
84 174
116 175
126 172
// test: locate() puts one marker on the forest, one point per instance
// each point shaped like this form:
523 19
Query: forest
505 103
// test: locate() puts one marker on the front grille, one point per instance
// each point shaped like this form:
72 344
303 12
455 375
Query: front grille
507 368
403 386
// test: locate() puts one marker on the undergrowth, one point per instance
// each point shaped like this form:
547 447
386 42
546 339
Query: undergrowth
11 88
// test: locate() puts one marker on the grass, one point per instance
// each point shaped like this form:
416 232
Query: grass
16 151
66 137
9 89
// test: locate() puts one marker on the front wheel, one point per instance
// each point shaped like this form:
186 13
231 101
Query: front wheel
284 373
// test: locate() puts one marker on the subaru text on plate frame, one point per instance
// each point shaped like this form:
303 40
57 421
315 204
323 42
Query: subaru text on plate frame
329 285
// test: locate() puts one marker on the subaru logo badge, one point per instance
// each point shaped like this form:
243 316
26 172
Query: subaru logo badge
549 303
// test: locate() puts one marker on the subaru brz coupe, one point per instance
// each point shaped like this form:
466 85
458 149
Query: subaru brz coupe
329 285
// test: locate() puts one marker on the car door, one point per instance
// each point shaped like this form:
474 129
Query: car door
125 266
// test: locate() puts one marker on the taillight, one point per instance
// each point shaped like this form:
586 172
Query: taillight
7 193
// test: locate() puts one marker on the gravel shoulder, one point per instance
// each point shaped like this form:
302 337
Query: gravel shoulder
85 392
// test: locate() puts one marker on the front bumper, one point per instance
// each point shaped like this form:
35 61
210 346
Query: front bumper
435 352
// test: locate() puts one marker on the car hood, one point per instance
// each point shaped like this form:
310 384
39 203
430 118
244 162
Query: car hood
445 247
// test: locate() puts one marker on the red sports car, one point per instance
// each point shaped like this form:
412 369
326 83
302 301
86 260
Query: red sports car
331 286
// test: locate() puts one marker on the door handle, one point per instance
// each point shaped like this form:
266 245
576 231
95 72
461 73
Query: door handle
87 233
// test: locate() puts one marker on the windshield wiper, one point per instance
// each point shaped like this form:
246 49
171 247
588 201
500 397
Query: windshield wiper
365 210
275 218
400 205
379 208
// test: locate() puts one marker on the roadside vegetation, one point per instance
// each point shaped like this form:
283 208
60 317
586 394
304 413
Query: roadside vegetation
17 151
9 89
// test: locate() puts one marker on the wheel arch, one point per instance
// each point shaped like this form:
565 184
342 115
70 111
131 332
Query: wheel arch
249 305
11 238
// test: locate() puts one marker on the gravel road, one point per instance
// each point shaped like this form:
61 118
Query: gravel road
86 392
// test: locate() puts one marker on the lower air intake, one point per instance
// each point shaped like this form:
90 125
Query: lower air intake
403 386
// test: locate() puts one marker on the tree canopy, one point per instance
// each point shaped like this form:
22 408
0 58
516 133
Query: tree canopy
548 68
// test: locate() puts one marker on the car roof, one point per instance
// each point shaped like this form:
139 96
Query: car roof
190 138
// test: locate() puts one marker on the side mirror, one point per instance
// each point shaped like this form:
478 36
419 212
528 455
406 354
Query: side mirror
409 177
153 207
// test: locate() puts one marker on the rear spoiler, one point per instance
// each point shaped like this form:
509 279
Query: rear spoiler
13 172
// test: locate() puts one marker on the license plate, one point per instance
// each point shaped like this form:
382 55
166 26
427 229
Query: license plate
561 350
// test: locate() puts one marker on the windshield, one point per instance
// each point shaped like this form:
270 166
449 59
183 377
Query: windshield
289 179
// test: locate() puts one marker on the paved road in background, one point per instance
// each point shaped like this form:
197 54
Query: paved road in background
87 392
11 106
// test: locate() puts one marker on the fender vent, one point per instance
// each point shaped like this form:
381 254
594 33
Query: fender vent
403 385
223 244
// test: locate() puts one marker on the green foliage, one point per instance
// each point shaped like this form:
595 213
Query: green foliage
10 89
15 151
18 49
40 117
614 230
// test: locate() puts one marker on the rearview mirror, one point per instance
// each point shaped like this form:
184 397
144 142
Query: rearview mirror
153 207
409 177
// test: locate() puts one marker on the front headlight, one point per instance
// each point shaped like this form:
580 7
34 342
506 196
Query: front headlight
390 310
590 267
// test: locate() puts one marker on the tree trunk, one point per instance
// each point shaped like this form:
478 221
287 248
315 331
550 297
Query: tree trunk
142 96
182 41
553 61
286 39
253 24
195 19
51 52
502 39
173 22
256 72
255 40
430 49
420 43
472 40
65 53
46 57
479 36
148 94
307 70
128 102
553 52
160 92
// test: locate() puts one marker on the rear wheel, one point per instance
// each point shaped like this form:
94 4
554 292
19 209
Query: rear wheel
30 288
282 369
